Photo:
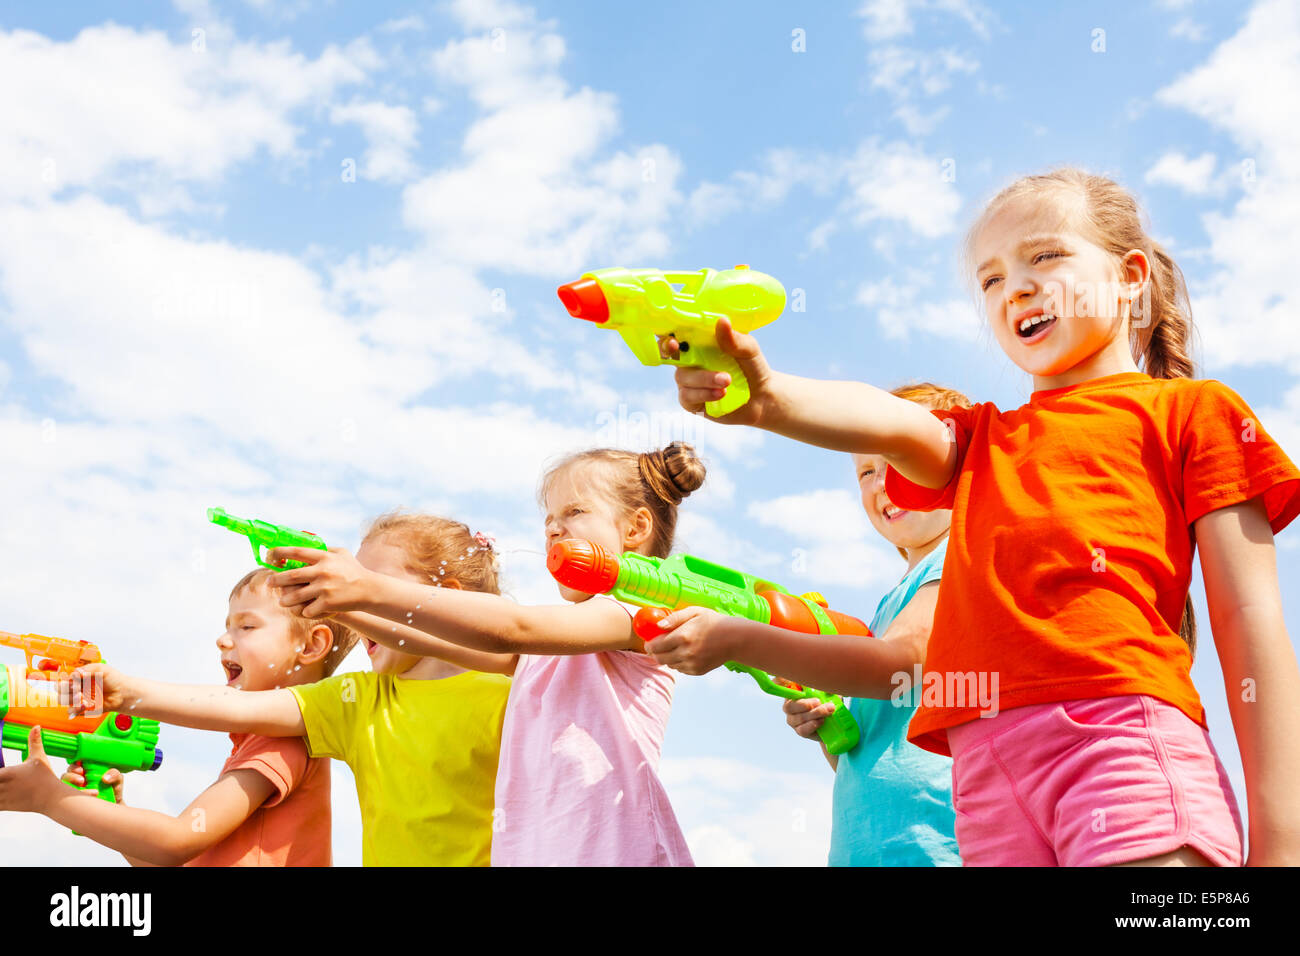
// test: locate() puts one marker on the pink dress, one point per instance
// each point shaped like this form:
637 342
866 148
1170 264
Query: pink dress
578 782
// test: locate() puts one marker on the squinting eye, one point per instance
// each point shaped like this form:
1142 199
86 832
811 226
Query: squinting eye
990 279
1047 255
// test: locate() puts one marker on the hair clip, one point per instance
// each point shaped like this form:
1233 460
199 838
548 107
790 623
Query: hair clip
484 540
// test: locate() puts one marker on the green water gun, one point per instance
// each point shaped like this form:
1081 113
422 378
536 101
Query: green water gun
31 697
643 305
660 585
264 536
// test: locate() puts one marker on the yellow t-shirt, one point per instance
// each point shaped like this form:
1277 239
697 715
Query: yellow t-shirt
424 754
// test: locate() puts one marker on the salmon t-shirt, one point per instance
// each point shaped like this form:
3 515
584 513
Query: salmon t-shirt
1071 549
292 828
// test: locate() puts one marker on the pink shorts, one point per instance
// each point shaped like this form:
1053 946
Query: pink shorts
1090 783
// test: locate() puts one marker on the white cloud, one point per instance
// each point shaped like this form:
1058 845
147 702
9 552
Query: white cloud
1188 29
835 545
891 181
540 191
898 182
390 135
1190 175
772 818
188 114
1245 306
889 19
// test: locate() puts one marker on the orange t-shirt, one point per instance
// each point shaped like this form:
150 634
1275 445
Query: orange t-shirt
292 828
1071 549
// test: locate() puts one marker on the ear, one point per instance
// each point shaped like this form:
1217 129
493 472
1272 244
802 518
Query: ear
639 530
1135 273
451 583
319 643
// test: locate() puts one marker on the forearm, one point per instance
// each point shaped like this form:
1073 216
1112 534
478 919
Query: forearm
496 625
844 664
204 707
1263 686
144 837
859 418
410 640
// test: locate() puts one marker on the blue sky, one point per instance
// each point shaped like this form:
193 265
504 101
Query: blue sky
197 309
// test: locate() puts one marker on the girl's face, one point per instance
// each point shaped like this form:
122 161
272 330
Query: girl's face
383 557
1054 299
903 529
576 509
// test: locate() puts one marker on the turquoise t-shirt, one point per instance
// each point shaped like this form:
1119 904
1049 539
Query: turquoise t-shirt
893 801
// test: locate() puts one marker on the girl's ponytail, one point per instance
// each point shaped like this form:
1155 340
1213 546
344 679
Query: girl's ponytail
1163 341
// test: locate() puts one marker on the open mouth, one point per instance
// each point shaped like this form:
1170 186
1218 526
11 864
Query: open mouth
892 513
233 671
370 646
1035 327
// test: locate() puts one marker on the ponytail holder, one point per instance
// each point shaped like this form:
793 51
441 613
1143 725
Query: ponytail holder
484 541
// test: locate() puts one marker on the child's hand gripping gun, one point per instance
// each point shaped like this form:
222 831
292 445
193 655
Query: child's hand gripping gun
660 585
30 697
644 304
264 536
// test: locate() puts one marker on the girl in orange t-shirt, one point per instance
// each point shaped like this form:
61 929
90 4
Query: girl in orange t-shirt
1058 670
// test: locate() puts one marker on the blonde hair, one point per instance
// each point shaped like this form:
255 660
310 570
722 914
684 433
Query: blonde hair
440 549
1109 216
259 580
931 396
655 480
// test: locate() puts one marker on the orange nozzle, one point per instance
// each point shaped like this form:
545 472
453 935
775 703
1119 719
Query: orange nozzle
582 566
584 300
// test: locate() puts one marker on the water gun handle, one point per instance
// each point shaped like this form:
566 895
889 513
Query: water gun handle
95 781
839 732
737 393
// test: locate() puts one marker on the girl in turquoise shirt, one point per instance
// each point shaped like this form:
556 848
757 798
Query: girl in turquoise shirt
892 802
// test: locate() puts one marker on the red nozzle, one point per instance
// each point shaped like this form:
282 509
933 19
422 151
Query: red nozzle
583 566
646 622
584 300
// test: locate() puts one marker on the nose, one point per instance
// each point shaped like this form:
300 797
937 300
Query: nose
224 641
1019 285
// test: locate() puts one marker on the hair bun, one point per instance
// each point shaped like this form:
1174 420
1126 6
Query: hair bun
672 472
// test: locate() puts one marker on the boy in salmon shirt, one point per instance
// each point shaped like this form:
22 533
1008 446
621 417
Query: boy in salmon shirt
270 806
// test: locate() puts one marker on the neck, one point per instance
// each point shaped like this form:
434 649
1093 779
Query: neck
914 555
431 668
1114 359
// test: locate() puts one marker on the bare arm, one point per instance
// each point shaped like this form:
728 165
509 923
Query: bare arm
152 838
841 416
403 638
271 713
497 625
836 663
142 836
862 419
1239 565
334 582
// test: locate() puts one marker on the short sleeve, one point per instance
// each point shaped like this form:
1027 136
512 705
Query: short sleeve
1228 458
331 711
281 760
913 497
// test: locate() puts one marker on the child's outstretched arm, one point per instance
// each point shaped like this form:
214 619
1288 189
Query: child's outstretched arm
142 836
696 641
402 637
1239 565
333 582
271 713
842 416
